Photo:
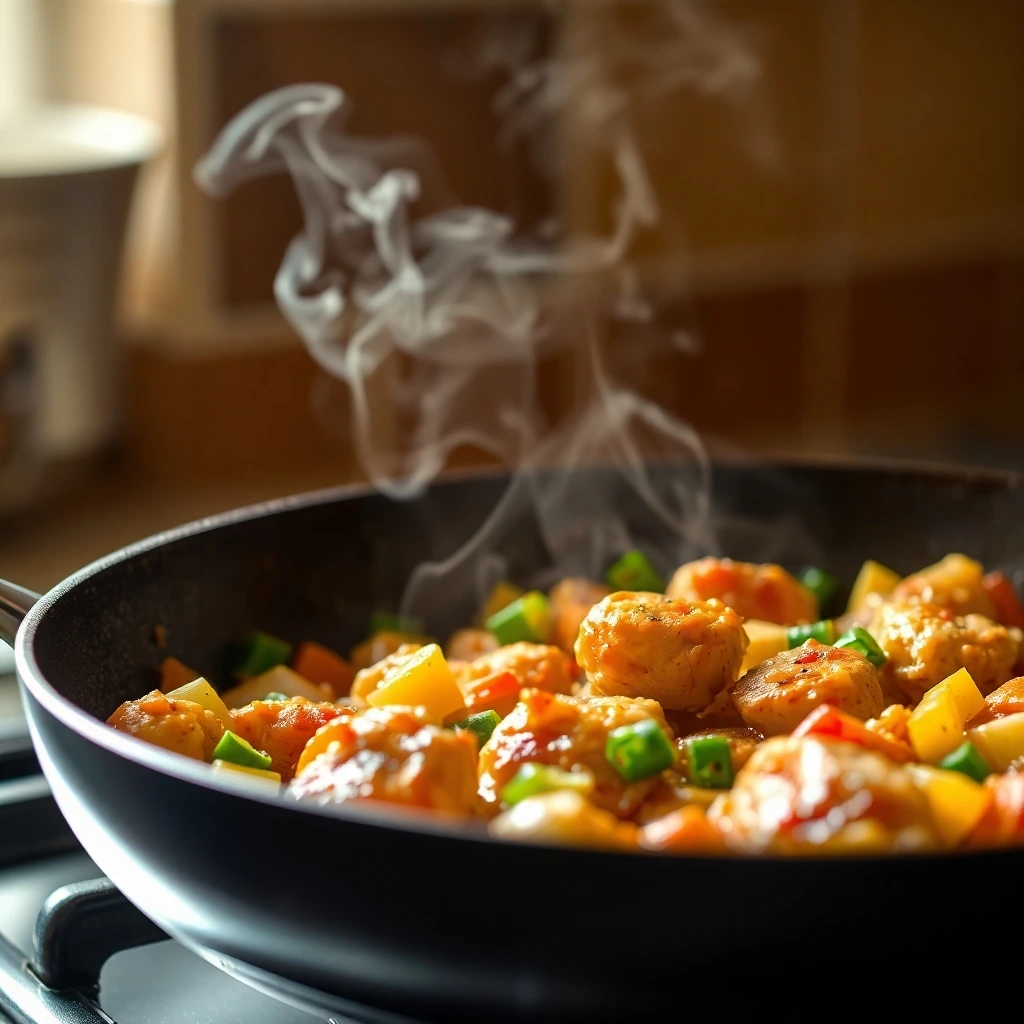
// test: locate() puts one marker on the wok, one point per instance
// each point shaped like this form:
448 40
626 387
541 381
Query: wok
354 908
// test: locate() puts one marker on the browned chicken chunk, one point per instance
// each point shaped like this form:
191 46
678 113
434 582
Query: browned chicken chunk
954 584
390 754
467 644
807 795
282 728
178 725
777 695
766 592
677 652
925 643
542 666
569 733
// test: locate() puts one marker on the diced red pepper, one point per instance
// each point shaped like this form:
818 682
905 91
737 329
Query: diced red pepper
828 721
320 665
174 674
1009 609
1002 824
498 692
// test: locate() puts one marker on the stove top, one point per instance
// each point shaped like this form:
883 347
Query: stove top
61 921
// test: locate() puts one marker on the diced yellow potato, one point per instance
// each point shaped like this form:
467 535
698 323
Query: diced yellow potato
199 691
957 802
425 680
935 726
279 679
501 596
966 695
766 639
257 773
873 578
1000 742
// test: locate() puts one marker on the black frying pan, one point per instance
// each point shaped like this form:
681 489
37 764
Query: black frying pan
357 907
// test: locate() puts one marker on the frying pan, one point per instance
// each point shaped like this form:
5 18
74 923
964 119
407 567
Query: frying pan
384 916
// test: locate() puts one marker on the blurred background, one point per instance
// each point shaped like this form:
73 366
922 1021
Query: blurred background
848 262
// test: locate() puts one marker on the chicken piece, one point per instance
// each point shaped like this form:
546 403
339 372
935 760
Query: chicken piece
925 643
467 644
742 743
569 733
570 600
1004 700
766 592
564 818
955 584
684 831
777 695
282 728
679 653
1002 824
376 648
808 795
540 666
178 725
390 754
368 679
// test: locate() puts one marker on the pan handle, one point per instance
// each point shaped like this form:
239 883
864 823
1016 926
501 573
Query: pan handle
15 603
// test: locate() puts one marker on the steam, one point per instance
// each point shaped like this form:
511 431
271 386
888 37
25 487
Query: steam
432 311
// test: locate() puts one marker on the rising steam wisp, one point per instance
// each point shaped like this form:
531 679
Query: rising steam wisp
437 314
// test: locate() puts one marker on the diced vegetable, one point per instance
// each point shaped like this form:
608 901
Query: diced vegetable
481 725
174 674
859 639
829 722
199 691
232 748
957 802
710 761
935 727
1000 742
526 618
388 622
766 640
279 679
256 773
965 693
534 779
501 596
498 692
424 680
633 571
873 578
966 759
320 664
1009 609
274 695
639 751
824 632
260 652
822 585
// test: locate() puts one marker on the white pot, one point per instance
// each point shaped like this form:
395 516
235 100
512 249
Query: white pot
67 177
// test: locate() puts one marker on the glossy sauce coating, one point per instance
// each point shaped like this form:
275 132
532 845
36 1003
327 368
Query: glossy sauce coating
176 725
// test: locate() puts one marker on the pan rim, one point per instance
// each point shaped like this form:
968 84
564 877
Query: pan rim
381 816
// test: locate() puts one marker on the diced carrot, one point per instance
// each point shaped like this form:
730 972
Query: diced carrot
1007 699
828 721
498 692
684 831
321 665
174 674
1009 609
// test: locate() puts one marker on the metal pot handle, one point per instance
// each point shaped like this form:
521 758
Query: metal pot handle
15 603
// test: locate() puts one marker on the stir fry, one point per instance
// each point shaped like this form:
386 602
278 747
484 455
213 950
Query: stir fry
720 712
